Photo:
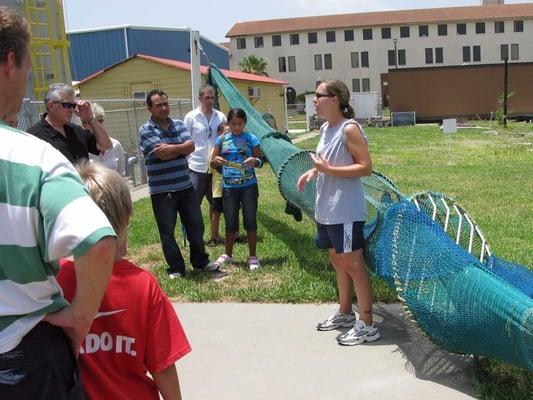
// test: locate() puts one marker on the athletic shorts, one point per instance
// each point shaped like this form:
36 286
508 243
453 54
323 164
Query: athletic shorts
344 238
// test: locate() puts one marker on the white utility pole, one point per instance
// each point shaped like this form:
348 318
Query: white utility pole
196 78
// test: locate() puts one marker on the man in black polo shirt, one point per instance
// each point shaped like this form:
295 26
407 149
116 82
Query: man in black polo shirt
55 127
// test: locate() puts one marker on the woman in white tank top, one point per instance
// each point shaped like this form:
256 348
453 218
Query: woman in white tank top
342 158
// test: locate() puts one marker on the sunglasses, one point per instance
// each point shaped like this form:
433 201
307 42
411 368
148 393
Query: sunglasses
319 95
66 105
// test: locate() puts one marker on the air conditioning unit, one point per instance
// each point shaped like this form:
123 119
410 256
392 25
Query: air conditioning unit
254 92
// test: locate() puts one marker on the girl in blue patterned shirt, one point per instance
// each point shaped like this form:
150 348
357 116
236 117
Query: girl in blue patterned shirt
238 153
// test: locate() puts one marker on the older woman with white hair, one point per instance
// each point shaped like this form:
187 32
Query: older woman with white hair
113 158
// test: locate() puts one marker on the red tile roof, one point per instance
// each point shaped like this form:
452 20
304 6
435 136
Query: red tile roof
398 17
238 75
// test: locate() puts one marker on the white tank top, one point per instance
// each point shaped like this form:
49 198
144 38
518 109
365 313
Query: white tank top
338 200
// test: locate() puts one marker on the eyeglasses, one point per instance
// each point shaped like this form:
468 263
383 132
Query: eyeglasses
67 105
319 95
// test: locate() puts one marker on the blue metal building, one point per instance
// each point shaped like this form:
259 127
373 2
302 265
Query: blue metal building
95 49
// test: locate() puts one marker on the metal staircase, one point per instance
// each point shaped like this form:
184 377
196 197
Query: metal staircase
49 44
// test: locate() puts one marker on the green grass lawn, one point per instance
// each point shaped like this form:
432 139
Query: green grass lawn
488 171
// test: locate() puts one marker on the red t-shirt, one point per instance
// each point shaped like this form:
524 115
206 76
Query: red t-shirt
136 330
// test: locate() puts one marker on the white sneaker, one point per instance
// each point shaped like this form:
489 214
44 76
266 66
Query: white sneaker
359 334
253 263
224 259
337 320
212 266
174 275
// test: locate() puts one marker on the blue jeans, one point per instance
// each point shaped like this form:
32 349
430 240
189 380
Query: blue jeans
245 197
41 367
202 183
166 207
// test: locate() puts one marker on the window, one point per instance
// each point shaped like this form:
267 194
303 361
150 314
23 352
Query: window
328 63
385 33
504 51
292 63
294 39
466 53
423 30
366 84
476 50
355 59
348 35
364 59
439 55
518 26
480 27
241 43
391 55
404 31
254 92
258 41
476 54
276 40
318 61
499 26
401 57
461 29
356 85
429 56
514 51
282 64
330 36
312 37
442 30
367 34
139 96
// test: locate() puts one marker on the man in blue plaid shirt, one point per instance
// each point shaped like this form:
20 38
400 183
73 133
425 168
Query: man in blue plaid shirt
166 144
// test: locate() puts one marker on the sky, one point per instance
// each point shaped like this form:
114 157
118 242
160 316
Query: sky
214 18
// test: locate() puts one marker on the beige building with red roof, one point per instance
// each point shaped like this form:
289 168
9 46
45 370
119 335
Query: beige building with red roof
360 48
129 81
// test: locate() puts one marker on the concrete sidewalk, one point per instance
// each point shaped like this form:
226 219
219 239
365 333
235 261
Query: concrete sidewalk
272 351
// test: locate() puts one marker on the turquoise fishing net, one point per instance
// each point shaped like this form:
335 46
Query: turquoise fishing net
463 304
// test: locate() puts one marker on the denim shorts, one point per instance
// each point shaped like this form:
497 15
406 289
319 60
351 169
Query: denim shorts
344 238
245 197
41 367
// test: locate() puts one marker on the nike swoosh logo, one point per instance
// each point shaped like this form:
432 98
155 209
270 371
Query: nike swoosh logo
106 313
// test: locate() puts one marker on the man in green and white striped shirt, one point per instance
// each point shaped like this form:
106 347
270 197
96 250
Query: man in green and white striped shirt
45 213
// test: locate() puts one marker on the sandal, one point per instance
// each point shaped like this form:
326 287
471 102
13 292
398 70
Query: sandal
215 242
253 263
240 240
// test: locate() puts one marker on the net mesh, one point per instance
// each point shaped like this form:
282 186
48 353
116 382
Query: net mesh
421 246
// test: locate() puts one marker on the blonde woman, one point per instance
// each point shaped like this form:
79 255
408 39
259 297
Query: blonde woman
342 157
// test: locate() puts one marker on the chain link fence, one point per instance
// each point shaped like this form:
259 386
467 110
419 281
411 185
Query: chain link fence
123 118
